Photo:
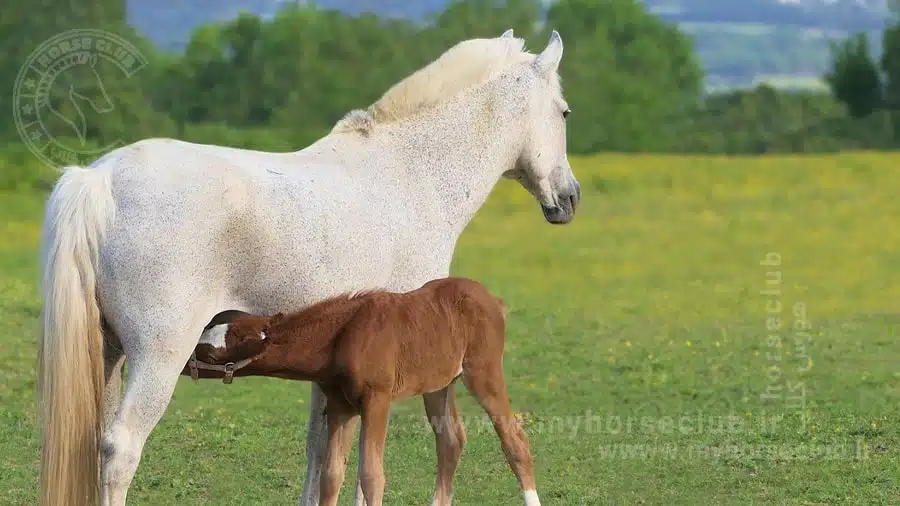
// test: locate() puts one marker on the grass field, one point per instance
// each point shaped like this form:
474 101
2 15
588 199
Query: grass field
708 331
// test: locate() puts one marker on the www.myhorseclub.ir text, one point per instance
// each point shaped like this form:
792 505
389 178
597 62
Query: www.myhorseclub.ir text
771 452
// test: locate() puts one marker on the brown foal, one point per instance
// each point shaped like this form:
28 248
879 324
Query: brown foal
367 350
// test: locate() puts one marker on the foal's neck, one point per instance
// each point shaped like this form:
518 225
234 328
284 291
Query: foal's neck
300 344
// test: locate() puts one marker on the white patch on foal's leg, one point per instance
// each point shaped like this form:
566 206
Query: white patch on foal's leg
531 498
215 336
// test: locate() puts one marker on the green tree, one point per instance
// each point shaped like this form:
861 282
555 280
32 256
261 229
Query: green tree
890 66
854 78
483 18
629 77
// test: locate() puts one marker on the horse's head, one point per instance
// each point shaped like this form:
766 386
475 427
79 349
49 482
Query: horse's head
94 92
542 166
246 337
80 83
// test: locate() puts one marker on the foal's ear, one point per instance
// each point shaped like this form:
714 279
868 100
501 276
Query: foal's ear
507 34
548 60
275 318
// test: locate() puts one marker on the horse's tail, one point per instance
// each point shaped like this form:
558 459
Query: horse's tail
70 351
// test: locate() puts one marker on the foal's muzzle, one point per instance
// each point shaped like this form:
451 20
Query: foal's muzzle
564 211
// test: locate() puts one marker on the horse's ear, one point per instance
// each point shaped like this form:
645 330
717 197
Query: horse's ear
548 60
276 318
507 34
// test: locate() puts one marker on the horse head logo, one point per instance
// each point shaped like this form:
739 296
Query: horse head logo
59 95
83 86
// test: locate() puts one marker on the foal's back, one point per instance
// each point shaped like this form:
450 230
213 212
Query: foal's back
417 342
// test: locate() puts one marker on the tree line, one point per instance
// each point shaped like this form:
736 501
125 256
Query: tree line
864 84
633 80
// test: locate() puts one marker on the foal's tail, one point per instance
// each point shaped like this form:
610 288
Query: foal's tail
503 308
70 351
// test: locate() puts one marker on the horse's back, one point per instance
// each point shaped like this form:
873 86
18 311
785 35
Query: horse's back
164 162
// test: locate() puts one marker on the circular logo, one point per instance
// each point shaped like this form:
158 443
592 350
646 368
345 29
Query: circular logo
59 93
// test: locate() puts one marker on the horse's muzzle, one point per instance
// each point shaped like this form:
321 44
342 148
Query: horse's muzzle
565 211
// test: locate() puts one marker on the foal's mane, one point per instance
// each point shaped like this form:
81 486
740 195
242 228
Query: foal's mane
467 64
337 306
329 313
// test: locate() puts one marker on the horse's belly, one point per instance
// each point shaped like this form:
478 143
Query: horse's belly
290 292
301 266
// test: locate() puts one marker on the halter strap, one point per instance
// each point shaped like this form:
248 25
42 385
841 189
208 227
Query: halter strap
228 369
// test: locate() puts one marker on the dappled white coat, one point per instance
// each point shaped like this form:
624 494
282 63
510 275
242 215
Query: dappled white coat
165 234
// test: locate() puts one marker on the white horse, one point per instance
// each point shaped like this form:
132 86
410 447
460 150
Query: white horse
142 249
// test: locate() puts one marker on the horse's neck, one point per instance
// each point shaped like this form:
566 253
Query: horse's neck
454 156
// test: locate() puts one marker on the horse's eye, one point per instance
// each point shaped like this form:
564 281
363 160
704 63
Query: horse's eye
566 113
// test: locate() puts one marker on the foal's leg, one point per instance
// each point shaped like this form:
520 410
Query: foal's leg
487 384
450 437
372 436
341 424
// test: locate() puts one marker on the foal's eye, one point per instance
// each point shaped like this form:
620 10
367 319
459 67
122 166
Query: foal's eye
566 113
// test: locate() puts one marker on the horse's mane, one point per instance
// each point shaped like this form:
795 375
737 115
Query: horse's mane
467 64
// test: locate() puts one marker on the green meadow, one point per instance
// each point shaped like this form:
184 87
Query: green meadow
708 331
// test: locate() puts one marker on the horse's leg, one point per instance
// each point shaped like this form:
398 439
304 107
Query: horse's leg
341 424
156 356
316 441
487 384
359 499
113 360
450 437
372 436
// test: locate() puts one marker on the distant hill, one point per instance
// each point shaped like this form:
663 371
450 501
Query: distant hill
784 43
740 42
835 15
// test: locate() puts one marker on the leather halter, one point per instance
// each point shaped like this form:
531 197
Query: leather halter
228 369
